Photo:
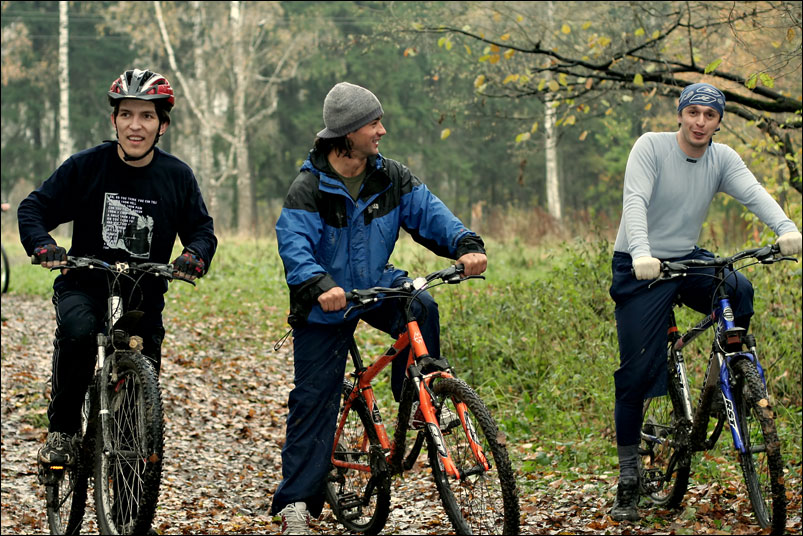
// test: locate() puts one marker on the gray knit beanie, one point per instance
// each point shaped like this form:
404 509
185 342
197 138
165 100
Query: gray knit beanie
346 108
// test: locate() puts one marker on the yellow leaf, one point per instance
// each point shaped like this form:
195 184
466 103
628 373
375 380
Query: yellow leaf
604 41
448 45
541 84
494 58
569 120
776 44
648 106
480 80
484 58
790 34
711 67
586 25
519 18
524 136
639 32
562 79
609 111
638 80
534 127
589 83
468 50
509 53
582 136
553 85
494 48
445 133
504 37
510 78
566 29
656 34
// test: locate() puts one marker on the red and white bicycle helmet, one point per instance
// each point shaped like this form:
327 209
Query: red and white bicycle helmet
142 85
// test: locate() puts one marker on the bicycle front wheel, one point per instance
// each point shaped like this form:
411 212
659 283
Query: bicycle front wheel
128 468
483 501
359 499
761 463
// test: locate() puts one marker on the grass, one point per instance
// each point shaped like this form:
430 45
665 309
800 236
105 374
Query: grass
537 338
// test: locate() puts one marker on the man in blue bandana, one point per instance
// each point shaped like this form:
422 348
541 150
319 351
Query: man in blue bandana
670 181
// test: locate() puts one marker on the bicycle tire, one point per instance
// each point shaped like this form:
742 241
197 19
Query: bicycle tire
6 274
346 488
66 490
665 459
128 476
762 467
486 502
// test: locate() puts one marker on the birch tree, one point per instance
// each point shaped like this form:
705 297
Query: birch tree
65 138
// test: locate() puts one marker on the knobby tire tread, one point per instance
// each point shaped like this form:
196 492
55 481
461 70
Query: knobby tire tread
750 397
133 366
496 452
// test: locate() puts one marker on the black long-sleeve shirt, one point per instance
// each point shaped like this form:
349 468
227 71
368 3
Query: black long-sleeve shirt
120 212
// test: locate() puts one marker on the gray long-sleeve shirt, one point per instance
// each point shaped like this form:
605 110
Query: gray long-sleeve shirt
667 195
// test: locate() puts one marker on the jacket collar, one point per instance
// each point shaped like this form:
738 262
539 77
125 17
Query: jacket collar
376 177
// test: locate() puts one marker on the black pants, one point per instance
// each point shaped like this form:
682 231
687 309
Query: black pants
80 316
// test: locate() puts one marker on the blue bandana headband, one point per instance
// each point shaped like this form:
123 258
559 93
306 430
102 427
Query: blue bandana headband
704 95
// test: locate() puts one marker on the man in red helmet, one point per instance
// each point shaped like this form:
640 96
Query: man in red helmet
128 201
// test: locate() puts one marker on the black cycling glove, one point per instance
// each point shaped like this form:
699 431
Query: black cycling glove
190 263
49 253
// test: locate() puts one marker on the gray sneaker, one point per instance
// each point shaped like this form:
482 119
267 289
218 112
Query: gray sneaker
295 519
57 450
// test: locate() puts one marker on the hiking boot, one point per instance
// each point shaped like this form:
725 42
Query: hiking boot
57 450
625 507
295 519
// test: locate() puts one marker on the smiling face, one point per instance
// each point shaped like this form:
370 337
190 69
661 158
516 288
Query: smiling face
697 125
137 124
365 140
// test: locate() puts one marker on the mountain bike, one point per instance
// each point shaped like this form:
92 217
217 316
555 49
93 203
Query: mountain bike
734 390
6 273
121 440
466 450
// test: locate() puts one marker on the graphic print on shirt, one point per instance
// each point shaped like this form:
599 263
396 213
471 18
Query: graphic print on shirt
128 225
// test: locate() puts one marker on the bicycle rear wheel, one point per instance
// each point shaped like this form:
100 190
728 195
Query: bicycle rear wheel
665 461
66 489
482 501
762 464
360 500
128 474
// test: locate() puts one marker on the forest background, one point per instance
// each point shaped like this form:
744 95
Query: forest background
519 115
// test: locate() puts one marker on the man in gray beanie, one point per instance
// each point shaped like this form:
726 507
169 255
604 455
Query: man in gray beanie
337 230
670 181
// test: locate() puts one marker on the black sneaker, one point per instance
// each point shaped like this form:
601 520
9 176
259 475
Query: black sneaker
625 507
57 450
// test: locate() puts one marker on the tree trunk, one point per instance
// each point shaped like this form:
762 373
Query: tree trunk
205 170
551 148
246 221
65 140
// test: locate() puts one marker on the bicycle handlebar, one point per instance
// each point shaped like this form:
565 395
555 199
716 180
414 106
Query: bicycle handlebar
362 297
153 268
765 255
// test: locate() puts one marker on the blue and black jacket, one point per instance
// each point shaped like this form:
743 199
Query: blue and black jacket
327 239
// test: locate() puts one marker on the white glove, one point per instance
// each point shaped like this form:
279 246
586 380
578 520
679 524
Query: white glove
647 267
791 243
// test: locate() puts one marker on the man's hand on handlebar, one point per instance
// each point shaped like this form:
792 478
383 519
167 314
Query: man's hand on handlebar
473 263
50 256
332 300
